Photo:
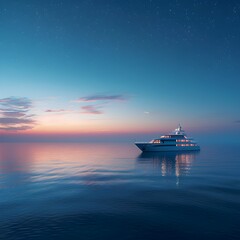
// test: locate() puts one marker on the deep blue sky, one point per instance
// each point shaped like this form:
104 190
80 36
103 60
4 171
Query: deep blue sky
154 63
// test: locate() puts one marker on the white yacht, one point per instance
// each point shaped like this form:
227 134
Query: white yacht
175 141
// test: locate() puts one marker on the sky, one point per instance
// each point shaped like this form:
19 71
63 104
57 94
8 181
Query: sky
100 68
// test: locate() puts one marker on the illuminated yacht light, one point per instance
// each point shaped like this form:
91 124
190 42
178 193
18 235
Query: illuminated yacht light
175 141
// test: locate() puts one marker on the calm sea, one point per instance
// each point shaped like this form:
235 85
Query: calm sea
112 191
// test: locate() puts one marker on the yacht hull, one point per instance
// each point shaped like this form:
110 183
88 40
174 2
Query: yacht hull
149 147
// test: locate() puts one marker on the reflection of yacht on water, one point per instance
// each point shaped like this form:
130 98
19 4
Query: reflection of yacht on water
175 141
170 163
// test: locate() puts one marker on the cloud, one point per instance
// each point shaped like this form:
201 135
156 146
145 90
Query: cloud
14 114
101 100
8 121
237 121
16 103
94 98
55 110
60 111
90 109
20 128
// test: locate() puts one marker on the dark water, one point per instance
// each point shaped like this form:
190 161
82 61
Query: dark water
111 191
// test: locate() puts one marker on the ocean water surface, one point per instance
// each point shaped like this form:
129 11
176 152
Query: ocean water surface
112 191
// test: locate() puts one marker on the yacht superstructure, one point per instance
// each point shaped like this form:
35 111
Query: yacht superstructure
175 141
